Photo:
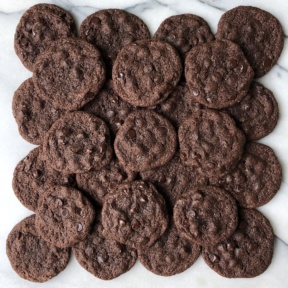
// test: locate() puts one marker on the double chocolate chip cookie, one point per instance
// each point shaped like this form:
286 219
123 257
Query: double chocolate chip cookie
210 142
146 72
145 141
134 214
77 142
31 256
206 215
64 216
218 74
69 73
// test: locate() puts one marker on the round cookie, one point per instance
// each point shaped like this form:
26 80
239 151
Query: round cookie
110 107
210 141
170 254
248 252
34 116
96 184
218 74
145 141
104 258
257 114
30 256
206 215
111 29
69 73
32 176
64 216
256 179
39 26
135 214
146 72
179 105
77 142
184 32
173 179
257 32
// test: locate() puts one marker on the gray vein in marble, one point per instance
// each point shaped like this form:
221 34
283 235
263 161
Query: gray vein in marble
213 6
282 241
282 68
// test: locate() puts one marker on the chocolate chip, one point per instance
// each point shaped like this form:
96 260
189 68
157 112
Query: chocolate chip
79 227
131 134
65 212
143 199
214 258
122 222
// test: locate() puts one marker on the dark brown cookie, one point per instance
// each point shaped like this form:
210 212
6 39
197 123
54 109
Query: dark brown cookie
218 74
206 215
34 116
257 32
111 29
30 256
145 141
248 252
77 142
179 105
32 176
173 179
104 258
39 26
256 179
135 214
170 254
109 107
184 32
257 114
146 72
69 73
210 141
64 216
96 184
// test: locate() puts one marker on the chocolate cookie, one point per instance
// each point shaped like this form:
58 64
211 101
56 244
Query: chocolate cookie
173 179
111 29
34 116
248 252
146 72
77 142
184 32
170 254
105 259
96 184
210 141
145 141
30 256
64 216
32 176
218 74
109 107
257 32
257 114
179 105
256 178
135 214
206 215
39 26
69 73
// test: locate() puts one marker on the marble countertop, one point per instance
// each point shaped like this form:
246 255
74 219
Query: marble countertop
13 148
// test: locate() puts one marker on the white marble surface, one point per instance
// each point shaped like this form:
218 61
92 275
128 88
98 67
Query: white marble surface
13 147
